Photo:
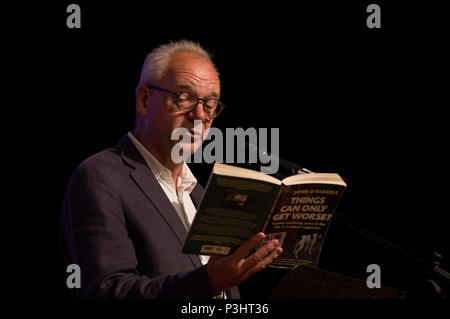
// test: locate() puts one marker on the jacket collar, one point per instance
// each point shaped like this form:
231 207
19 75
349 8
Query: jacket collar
147 183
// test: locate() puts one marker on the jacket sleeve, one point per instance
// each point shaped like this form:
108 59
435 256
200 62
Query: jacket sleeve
94 236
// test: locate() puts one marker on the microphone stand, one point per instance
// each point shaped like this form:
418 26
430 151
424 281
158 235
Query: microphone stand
437 278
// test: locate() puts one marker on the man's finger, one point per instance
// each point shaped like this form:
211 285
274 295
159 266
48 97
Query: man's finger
271 257
264 262
247 247
260 254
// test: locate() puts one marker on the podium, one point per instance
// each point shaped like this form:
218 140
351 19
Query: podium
305 282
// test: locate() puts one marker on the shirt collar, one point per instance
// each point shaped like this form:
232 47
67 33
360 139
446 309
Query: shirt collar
186 180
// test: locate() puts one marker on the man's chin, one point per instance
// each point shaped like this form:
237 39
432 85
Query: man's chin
194 147
189 149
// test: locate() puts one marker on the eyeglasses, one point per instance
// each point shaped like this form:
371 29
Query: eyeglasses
187 101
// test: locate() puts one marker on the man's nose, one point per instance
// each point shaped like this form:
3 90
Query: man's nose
197 112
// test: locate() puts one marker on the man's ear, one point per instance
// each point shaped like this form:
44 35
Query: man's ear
142 99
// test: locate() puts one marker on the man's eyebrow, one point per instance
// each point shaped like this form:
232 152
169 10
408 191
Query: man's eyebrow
183 86
187 86
214 94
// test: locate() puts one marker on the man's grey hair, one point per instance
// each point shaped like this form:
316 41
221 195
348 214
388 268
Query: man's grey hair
157 61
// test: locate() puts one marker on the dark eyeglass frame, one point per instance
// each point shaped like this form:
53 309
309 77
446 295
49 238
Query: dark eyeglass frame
220 106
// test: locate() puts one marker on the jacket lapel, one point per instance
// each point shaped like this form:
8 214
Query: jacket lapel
147 183
197 194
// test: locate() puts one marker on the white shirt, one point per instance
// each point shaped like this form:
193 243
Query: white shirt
180 197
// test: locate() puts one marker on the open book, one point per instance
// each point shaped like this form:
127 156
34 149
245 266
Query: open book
239 202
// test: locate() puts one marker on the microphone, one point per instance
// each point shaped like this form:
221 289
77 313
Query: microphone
288 168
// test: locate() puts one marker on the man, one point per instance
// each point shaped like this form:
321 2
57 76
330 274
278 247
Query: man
127 209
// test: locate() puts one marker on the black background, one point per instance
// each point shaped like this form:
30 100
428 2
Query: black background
368 104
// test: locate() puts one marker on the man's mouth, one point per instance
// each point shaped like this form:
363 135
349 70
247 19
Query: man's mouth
194 134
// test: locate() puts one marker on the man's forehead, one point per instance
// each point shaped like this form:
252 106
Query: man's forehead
189 69
191 61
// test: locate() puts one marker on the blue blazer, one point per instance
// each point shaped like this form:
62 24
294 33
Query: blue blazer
118 225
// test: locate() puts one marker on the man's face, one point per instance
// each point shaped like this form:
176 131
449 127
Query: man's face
187 71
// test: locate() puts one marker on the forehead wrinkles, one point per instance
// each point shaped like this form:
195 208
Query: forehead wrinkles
207 79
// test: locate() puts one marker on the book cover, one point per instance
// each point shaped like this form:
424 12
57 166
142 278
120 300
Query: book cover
232 210
300 220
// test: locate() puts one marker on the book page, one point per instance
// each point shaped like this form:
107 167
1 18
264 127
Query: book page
321 178
229 170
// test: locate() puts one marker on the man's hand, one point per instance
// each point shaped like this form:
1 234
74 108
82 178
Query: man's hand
225 272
